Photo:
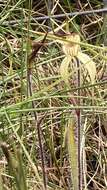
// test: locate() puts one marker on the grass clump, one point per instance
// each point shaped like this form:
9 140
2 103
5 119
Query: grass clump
38 106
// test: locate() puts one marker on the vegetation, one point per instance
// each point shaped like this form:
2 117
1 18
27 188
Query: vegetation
53 108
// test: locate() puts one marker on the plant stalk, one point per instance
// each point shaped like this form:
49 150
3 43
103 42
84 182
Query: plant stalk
79 126
29 78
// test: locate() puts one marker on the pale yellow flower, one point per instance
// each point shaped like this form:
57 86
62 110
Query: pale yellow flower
71 49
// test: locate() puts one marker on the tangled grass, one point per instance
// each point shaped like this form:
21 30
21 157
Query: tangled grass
35 149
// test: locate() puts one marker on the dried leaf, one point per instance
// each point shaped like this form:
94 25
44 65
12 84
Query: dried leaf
72 150
89 64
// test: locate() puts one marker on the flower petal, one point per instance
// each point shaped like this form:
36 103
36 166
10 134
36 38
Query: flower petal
64 68
89 64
